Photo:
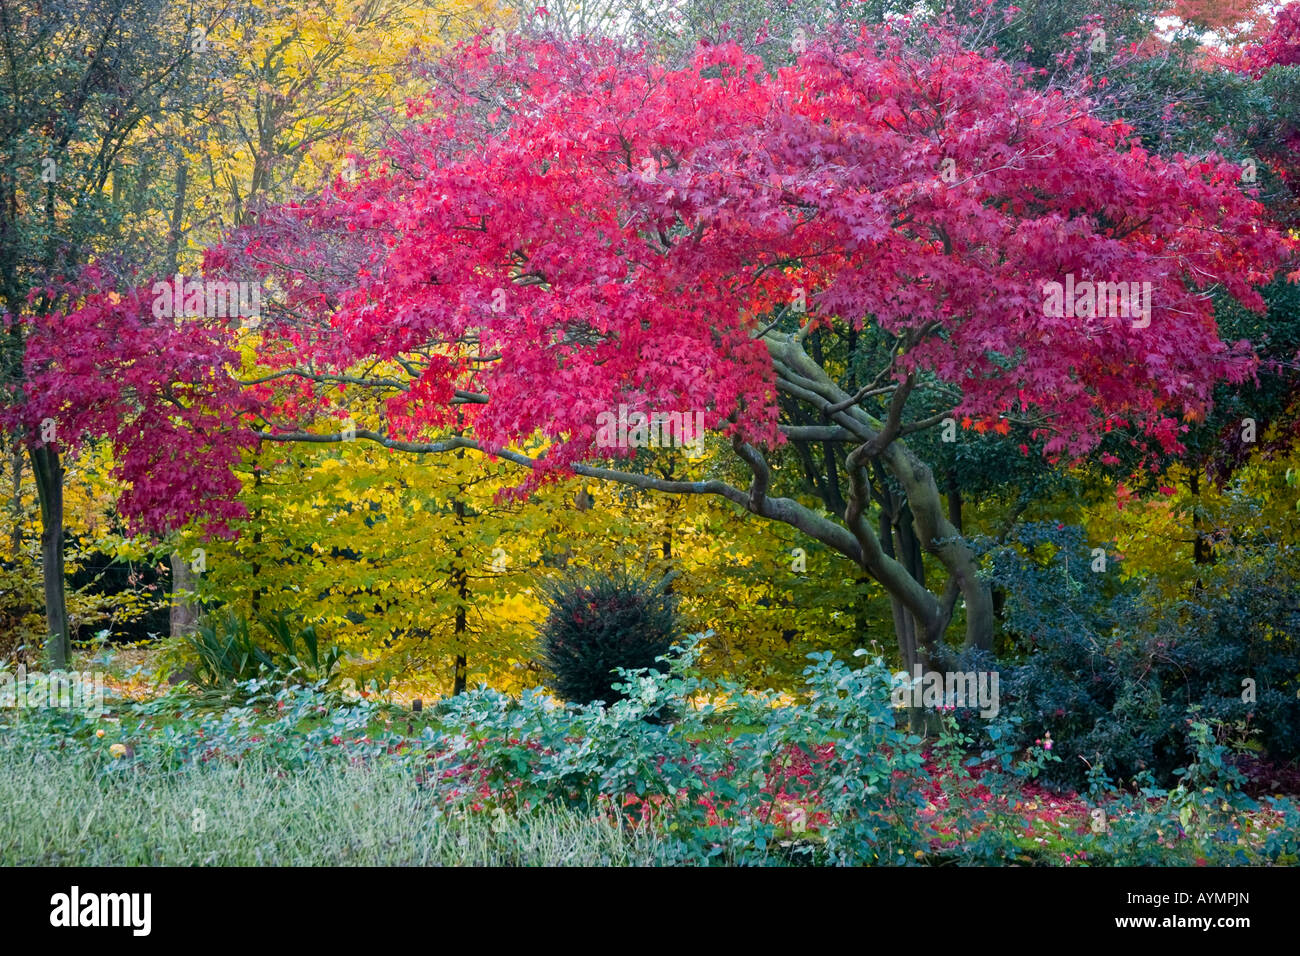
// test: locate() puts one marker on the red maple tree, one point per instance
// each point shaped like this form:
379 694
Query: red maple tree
578 228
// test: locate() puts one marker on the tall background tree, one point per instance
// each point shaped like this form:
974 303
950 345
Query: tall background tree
81 80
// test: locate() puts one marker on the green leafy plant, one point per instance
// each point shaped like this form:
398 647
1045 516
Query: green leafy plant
310 664
226 651
229 656
1110 668
739 777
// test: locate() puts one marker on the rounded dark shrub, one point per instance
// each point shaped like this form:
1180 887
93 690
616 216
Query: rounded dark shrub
600 621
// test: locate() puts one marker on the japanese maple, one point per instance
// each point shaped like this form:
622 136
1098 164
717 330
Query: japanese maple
578 228
158 389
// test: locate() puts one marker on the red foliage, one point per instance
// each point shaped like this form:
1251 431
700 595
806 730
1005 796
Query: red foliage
608 231
1282 45
159 390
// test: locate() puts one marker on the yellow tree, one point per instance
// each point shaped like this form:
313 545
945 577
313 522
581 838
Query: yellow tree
284 95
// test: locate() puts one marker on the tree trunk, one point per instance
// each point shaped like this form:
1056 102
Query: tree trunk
460 581
1202 549
462 666
930 527
16 533
184 611
940 537
48 471
255 599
